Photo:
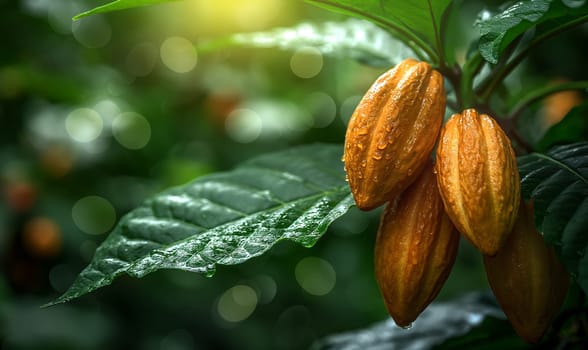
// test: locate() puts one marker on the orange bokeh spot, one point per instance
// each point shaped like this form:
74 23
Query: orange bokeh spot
42 237
57 160
556 106
20 195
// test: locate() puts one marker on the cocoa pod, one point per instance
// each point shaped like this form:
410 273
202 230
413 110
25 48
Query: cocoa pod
527 278
393 131
415 249
478 179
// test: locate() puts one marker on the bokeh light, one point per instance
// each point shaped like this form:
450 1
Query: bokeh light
266 288
179 339
108 110
230 16
84 125
57 160
131 130
348 106
178 54
243 125
237 303
573 3
42 237
294 328
306 62
141 59
323 108
92 32
94 215
59 14
315 275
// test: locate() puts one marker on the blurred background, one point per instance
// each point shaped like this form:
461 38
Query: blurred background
99 114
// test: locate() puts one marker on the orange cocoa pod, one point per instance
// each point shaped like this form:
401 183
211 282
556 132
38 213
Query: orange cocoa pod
415 249
392 132
478 179
527 278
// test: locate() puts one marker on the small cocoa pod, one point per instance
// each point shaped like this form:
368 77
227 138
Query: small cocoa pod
415 249
393 131
478 179
527 278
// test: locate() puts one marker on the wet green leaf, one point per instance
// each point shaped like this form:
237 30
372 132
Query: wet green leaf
225 218
356 39
440 322
557 181
498 31
119 5
422 18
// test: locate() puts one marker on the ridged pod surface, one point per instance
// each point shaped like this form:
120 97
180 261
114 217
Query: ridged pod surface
527 279
392 132
415 249
478 179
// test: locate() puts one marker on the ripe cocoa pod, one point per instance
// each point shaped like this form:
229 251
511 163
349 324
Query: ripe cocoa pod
527 278
478 179
393 131
415 249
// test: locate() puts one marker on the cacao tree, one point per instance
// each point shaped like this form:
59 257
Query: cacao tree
487 178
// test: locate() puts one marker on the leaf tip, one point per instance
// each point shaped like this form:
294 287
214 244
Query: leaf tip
60 300
80 16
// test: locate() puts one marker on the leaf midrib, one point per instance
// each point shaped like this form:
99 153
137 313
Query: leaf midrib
561 165
232 222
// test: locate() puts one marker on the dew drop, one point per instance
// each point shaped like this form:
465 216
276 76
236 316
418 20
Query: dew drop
343 158
377 156
407 327
382 145
346 178
573 3
360 145
210 271
362 132
363 163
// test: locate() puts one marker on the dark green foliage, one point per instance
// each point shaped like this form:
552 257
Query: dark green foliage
557 182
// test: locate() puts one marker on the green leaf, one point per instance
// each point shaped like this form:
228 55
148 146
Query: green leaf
498 31
225 218
119 5
439 322
356 39
573 128
558 184
418 20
